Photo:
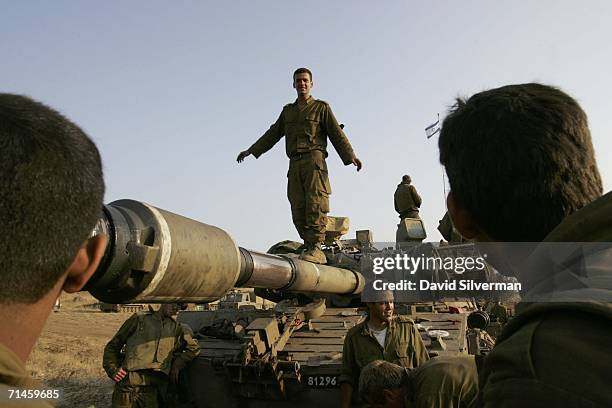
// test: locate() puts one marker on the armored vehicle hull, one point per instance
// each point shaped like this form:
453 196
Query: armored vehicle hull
301 370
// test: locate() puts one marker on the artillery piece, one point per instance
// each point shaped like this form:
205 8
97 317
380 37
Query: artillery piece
252 357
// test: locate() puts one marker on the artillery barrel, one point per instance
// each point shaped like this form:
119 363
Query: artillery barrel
157 256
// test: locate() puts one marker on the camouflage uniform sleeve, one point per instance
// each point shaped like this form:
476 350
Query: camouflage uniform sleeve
188 347
270 138
350 370
415 196
111 361
337 136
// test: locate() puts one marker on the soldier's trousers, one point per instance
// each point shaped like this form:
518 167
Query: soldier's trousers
140 391
308 190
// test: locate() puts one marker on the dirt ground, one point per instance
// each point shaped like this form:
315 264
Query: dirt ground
68 355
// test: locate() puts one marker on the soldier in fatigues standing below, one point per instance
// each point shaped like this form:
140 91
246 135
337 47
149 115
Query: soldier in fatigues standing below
156 349
382 336
406 199
306 125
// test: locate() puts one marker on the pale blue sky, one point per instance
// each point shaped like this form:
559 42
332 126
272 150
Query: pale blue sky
172 91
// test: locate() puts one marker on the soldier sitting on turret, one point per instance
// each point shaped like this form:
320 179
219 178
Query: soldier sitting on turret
406 199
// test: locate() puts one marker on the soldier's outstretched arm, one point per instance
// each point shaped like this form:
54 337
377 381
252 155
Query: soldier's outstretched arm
243 155
267 141
338 139
111 361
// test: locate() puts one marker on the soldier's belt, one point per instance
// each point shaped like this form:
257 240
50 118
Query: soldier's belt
299 156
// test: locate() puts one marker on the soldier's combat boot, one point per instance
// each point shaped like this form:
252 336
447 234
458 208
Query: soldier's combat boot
314 254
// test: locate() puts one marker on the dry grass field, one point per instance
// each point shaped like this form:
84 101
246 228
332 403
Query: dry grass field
68 355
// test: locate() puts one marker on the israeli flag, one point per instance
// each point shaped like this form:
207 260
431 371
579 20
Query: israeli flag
433 128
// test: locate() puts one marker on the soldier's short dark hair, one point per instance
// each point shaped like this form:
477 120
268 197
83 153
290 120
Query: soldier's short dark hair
302 71
519 159
378 376
406 178
51 192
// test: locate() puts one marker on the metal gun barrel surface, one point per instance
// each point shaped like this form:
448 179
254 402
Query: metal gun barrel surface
259 270
158 256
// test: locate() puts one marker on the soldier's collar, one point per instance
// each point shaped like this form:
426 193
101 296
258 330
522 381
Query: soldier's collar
365 329
308 101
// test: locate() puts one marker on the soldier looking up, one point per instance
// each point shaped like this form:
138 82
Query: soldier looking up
157 347
382 336
51 190
442 382
521 168
406 199
306 124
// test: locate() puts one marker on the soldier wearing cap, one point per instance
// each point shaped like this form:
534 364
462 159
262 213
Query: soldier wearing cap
306 124
382 336
157 347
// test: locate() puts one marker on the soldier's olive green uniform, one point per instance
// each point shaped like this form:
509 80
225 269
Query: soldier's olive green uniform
443 382
403 346
306 131
13 376
557 354
153 342
407 201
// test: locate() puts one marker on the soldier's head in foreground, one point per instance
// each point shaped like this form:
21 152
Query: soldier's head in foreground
519 159
51 192
406 179
381 384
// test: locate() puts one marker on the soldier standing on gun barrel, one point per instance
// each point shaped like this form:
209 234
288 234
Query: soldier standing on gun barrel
156 349
306 125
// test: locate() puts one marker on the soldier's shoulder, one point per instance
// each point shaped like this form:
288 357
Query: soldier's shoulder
356 329
321 101
142 314
403 319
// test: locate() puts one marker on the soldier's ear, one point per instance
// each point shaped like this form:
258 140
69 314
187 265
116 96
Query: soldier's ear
462 219
85 263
